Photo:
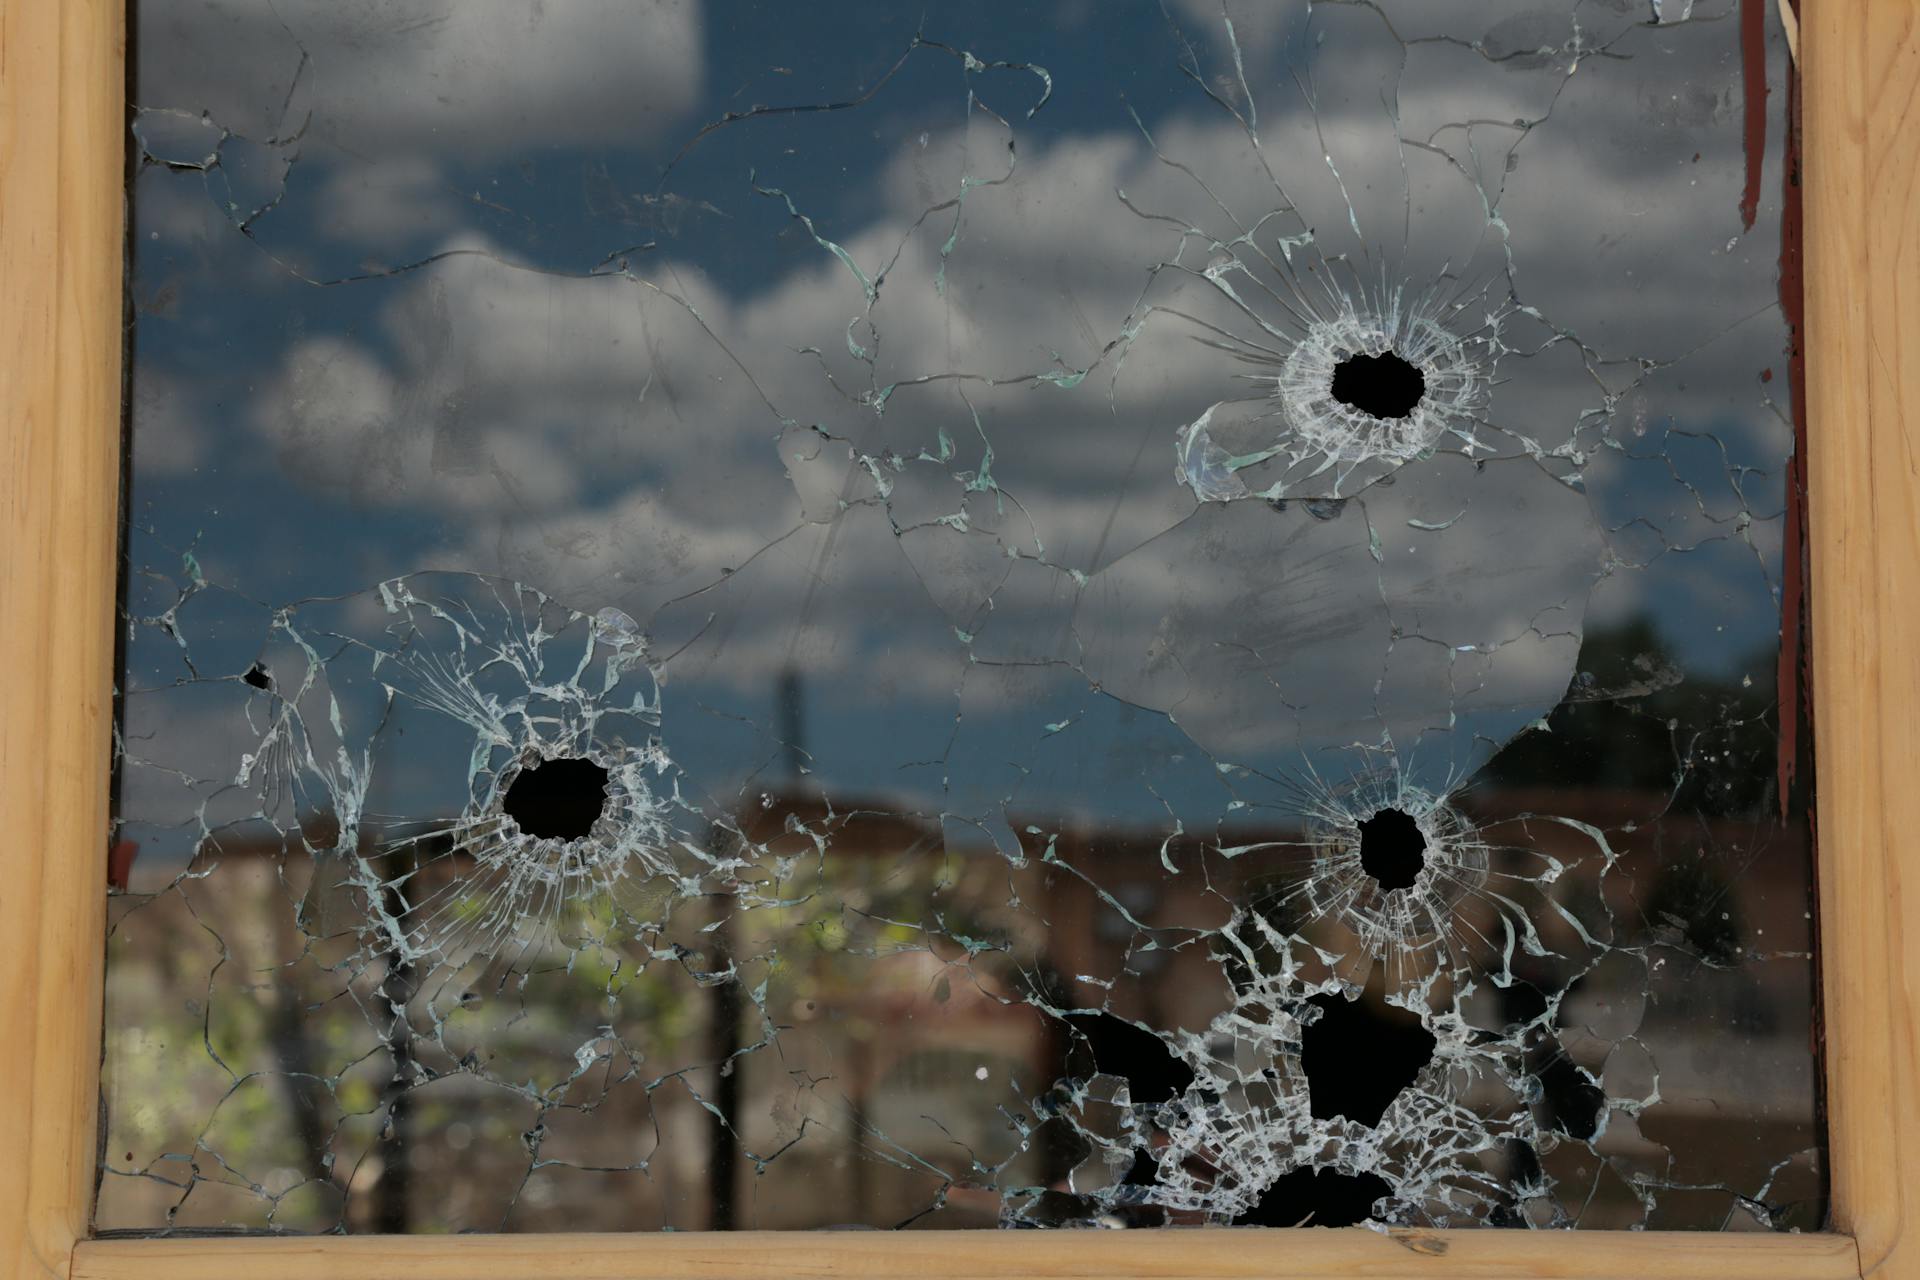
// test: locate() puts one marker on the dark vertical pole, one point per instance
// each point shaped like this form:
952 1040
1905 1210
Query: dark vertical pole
393 1195
723 1045
791 726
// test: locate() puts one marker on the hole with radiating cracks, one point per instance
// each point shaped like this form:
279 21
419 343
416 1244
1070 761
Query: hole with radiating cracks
1316 1198
1358 1055
1386 385
258 676
1392 850
560 799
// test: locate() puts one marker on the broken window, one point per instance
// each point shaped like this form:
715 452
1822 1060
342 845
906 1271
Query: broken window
1114 616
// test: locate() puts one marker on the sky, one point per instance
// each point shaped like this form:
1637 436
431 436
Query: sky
866 342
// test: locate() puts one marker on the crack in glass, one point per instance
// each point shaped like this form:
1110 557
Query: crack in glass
669 682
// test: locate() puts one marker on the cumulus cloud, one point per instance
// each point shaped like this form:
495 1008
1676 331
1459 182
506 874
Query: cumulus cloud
173 438
387 98
465 78
958 416
388 200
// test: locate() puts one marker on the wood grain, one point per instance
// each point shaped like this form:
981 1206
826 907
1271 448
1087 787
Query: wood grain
1861 63
62 119
1217 1254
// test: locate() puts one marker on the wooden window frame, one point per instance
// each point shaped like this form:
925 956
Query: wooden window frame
62 209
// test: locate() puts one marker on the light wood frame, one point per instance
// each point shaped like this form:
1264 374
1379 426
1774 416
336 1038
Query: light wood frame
62 131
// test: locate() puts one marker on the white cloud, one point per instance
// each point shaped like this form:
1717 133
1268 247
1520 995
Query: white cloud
172 439
599 439
388 200
386 78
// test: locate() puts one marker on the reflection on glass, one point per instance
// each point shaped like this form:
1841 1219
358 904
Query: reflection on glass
800 616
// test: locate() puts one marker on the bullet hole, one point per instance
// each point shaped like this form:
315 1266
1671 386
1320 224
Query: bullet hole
1392 849
1359 1055
258 676
1316 1198
1113 1046
560 799
1385 385
1144 1171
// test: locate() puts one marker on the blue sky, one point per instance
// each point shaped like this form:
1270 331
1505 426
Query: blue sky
637 381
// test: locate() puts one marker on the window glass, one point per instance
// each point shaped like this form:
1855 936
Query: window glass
968 615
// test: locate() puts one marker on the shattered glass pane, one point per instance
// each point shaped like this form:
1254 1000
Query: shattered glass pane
1092 615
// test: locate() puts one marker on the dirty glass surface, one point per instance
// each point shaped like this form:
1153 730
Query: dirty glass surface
1076 615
